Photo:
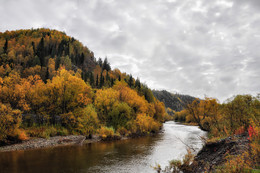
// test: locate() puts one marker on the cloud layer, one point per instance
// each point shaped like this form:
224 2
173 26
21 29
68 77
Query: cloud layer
196 47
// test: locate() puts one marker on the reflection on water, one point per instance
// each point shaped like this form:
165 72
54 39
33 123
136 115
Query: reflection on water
132 155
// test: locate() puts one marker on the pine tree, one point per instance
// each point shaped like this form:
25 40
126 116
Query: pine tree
130 81
40 52
47 76
36 61
82 58
112 82
5 46
53 51
102 80
34 49
91 80
61 47
97 81
83 76
57 63
107 77
106 65
100 62
137 83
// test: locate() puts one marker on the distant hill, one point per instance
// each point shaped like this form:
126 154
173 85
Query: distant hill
176 102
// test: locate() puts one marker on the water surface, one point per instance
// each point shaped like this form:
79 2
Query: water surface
126 156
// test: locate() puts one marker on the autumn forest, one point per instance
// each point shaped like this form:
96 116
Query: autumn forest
50 84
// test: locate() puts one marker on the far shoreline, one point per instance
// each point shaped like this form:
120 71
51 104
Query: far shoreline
69 140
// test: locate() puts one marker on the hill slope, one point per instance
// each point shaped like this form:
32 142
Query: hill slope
176 102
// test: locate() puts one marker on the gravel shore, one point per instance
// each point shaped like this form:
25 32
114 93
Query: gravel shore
50 142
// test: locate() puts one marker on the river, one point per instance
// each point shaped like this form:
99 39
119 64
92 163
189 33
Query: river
125 156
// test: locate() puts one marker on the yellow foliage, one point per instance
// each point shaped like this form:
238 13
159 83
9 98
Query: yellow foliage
67 92
205 113
159 111
183 116
9 121
105 100
105 132
36 70
15 90
240 163
82 120
146 123
138 103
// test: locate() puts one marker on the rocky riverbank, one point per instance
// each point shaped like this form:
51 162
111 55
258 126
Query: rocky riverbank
50 142
213 155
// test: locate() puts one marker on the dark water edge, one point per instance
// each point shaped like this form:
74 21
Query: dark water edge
131 155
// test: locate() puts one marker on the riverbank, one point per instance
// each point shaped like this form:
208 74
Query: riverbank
237 153
217 156
56 141
50 142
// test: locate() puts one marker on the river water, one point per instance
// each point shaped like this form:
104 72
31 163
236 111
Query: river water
126 156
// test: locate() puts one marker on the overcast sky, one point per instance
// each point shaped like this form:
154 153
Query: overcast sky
196 47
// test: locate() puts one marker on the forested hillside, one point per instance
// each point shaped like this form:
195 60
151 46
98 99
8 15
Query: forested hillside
176 102
50 84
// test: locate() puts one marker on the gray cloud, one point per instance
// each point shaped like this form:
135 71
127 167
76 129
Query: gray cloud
196 47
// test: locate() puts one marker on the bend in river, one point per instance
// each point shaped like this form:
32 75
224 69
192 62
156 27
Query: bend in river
131 155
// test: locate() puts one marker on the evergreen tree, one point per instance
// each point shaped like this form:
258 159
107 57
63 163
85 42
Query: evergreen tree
61 47
53 51
34 49
148 94
5 46
82 58
76 59
107 77
97 81
67 48
36 61
106 65
137 83
57 63
101 81
47 74
40 52
72 57
130 81
83 76
100 62
91 79
112 82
